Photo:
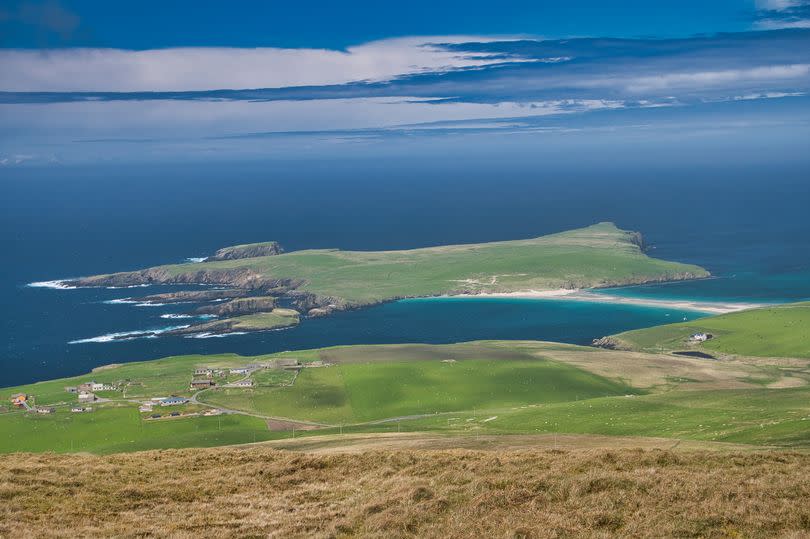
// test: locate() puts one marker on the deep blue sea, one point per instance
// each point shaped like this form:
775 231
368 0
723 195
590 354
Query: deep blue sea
749 227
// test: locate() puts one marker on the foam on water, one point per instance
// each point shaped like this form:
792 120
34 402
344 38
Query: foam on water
59 285
174 316
214 335
120 301
127 335
195 259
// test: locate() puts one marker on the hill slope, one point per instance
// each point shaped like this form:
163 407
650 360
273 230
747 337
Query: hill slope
257 491
778 331
481 388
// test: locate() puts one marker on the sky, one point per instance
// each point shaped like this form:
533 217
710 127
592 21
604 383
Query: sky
99 82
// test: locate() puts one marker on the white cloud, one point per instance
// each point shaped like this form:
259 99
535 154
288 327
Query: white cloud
710 79
190 69
194 119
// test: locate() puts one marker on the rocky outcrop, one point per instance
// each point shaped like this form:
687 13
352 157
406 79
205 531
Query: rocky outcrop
239 306
244 278
610 343
217 327
250 250
184 296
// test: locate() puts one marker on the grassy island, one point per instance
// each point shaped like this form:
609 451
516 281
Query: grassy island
318 281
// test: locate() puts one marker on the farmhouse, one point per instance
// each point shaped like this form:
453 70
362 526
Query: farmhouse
700 337
240 370
203 372
202 383
86 396
243 383
45 409
81 409
19 399
173 401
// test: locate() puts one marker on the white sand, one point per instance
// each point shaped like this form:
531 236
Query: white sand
565 294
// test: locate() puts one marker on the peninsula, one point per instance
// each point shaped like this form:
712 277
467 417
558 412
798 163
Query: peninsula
258 278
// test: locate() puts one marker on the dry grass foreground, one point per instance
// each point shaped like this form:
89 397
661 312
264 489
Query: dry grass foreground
260 491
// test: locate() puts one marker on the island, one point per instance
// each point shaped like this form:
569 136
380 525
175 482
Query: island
250 279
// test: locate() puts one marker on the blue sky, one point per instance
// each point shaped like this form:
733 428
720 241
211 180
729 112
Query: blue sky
95 82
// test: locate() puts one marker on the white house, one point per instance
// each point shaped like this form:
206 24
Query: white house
86 396
243 370
699 337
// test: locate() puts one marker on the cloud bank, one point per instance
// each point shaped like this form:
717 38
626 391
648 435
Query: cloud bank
59 99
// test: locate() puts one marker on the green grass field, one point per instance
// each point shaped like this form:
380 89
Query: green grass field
779 331
756 416
112 429
356 392
598 255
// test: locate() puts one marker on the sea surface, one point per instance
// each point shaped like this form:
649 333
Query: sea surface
749 227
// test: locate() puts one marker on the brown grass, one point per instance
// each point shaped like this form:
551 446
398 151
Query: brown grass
260 491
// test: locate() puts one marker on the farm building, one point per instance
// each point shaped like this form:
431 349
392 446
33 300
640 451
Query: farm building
86 396
288 364
202 383
203 372
81 409
145 407
71 389
45 409
173 401
241 370
19 399
700 337
243 383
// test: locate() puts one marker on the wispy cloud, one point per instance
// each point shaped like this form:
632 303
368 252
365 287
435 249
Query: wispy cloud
206 68
774 14
200 97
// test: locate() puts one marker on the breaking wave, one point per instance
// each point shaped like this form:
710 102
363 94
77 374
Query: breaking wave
59 285
128 335
173 316
214 335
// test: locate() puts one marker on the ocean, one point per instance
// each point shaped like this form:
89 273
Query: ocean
749 227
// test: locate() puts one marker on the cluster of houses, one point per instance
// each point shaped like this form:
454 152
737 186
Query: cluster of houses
22 400
87 391
204 377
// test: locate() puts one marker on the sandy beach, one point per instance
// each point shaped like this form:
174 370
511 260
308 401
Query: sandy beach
565 294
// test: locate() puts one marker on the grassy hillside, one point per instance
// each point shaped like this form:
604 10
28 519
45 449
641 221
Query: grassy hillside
258 492
779 331
357 392
599 255
492 387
